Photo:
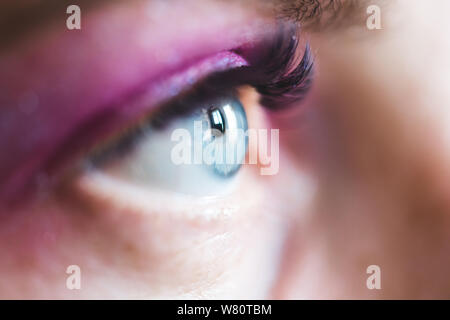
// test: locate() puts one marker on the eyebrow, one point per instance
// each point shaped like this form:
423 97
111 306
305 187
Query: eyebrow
323 15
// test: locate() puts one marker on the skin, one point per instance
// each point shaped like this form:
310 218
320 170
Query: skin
363 175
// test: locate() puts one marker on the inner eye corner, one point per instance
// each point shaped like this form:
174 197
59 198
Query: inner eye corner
250 100
248 95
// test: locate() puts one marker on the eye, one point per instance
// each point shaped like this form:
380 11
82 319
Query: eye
198 151
187 132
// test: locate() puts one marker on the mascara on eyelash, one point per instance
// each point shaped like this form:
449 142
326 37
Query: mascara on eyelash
281 79
273 70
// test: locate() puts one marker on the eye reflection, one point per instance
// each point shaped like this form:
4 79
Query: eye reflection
230 138
217 120
228 141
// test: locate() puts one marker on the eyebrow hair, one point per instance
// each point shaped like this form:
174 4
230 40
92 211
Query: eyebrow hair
323 15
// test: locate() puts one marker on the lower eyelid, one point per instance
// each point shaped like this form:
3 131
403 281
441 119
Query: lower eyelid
109 193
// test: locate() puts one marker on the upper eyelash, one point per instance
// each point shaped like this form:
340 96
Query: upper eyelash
282 80
289 88
276 73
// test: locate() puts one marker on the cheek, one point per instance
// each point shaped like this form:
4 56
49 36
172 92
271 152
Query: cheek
144 252
221 248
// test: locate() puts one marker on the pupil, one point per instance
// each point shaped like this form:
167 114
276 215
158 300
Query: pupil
216 120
